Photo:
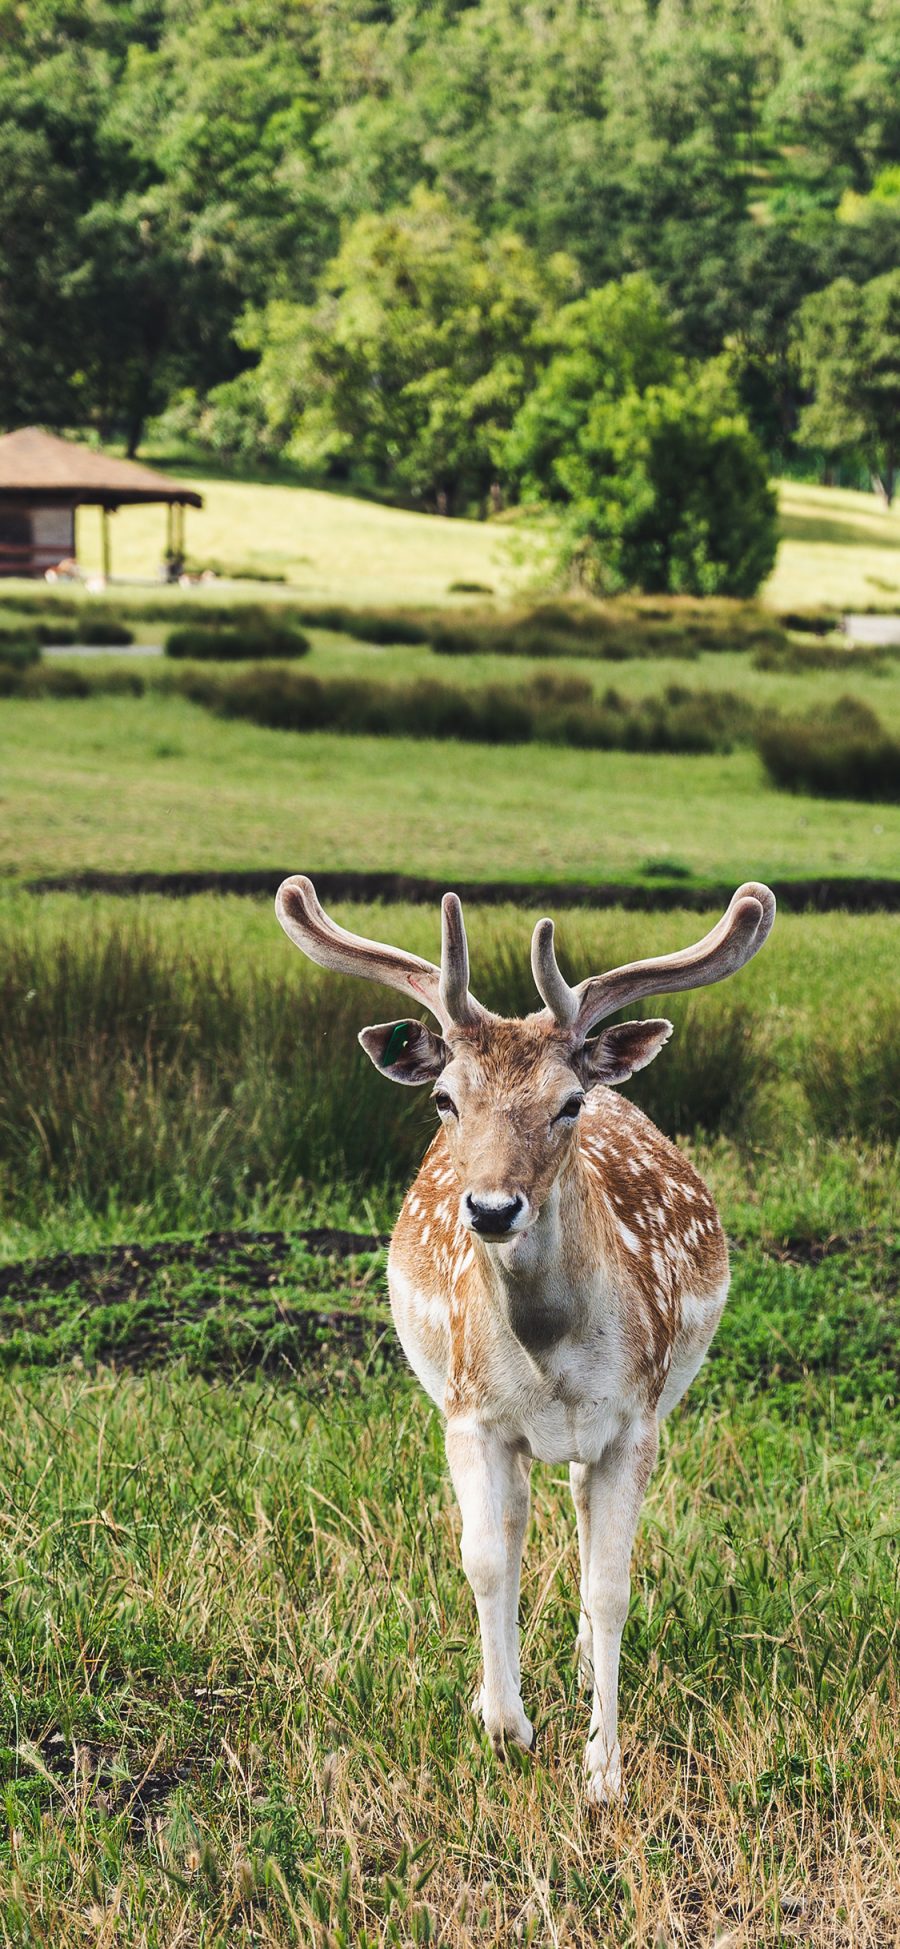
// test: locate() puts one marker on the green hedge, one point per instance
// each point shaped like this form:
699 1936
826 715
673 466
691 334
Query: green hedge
241 644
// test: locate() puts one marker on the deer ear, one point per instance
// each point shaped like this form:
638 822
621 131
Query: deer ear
615 1055
407 1052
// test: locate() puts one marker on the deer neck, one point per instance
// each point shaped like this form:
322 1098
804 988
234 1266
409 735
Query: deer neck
533 1278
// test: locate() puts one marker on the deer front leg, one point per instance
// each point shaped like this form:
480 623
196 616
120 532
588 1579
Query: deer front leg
490 1478
579 1477
611 1492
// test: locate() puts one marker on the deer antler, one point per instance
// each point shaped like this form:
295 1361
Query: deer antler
734 940
443 990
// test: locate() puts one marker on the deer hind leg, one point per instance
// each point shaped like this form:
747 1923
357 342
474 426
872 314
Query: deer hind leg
579 1476
490 1478
614 1491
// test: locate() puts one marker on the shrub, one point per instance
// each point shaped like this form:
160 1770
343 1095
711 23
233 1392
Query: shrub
105 631
382 626
241 644
811 622
62 635
613 631
799 658
845 753
62 680
554 709
18 651
669 491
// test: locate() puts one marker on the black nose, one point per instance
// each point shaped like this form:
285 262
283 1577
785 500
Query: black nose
491 1215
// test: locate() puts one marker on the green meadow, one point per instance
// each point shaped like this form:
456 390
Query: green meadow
238 1647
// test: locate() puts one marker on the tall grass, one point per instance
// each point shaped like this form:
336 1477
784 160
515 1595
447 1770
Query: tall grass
136 1070
851 1076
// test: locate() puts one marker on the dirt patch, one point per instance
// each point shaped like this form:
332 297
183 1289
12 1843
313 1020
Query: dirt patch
120 1784
858 896
122 1270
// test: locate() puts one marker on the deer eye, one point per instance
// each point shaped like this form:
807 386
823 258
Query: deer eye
444 1104
569 1110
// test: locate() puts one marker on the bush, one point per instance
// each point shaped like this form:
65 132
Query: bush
247 641
382 626
62 680
105 631
845 754
61 635
800 658
18 651
614 631
553 709
811 622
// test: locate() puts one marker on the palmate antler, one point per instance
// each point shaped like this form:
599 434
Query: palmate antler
443 990
733 941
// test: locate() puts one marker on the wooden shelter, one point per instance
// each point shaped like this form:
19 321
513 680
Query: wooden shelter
43 479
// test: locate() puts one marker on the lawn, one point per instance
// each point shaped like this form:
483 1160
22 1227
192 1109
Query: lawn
838 547
785 689
324 544
157 783
238 1644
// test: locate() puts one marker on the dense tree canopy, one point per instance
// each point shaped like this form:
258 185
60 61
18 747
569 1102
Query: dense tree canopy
849 354
208 208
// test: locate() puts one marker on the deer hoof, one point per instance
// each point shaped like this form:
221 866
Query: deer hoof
505 1726
604 1777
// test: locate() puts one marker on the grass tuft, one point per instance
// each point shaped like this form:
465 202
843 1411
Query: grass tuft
844 753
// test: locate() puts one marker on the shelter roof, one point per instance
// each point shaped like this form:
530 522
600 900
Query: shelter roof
36 466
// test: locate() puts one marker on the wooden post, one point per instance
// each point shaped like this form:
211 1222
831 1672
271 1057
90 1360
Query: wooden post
107 553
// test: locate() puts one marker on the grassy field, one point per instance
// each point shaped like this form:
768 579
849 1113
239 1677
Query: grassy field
324 544
238 1647
238 1644
157 783
838 547
780 687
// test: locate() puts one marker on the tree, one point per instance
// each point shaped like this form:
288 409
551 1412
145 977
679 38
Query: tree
668 492
408 370
848 349
615 340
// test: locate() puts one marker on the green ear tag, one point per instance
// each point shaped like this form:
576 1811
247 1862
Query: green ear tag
397 1041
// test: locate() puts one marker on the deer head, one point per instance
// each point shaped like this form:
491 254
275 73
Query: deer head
510 1093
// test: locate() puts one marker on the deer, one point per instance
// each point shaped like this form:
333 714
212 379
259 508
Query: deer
557 1270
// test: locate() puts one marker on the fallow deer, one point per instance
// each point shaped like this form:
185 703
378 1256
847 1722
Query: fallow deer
557 1270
